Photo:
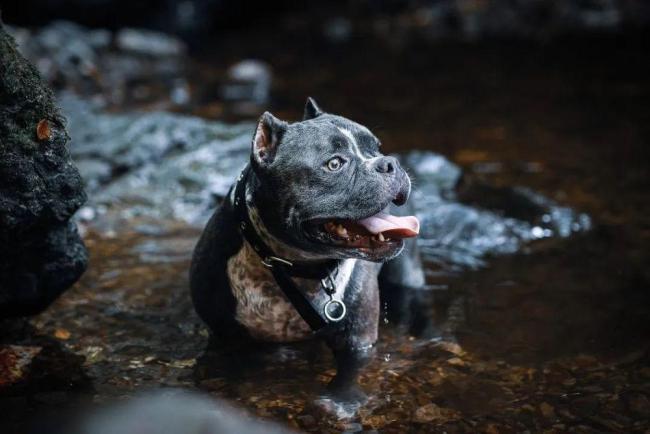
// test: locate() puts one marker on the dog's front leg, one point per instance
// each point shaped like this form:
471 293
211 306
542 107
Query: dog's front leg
350 361
354 345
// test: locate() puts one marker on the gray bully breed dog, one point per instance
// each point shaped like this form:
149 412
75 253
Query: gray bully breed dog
296 248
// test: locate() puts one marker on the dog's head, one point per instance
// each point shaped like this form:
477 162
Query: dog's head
324 187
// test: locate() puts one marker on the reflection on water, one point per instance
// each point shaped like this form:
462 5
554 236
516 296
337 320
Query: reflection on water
551 337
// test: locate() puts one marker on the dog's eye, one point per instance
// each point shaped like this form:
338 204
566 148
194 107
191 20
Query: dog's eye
335 164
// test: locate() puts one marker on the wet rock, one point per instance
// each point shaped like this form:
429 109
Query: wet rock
132 65
249 80
149 43
130 140
174 412
442 176
457 235
166 166
40 189
248 86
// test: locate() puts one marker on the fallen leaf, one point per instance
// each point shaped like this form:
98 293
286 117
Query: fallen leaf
43 130
62 334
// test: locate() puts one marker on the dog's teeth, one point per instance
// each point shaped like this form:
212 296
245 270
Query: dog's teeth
341 231
380 237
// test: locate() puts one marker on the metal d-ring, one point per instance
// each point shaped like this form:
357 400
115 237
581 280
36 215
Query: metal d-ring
331 317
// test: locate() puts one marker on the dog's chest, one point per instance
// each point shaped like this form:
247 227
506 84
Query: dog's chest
261 305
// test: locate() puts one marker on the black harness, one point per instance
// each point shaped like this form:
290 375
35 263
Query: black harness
320 320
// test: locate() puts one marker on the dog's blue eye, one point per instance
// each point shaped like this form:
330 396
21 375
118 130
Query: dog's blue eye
335 164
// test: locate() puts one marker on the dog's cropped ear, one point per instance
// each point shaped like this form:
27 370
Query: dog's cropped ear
311 109
267 137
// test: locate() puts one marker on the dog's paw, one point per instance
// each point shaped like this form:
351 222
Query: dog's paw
349 393
341 405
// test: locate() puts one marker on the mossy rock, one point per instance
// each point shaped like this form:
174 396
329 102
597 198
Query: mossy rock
41 252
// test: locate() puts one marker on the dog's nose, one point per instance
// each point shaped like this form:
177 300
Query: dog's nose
386 165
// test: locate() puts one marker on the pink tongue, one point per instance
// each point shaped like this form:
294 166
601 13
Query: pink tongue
399 227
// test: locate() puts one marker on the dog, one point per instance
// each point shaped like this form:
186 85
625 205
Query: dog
296 247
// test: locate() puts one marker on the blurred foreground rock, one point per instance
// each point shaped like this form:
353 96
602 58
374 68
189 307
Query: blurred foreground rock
41 252
175 412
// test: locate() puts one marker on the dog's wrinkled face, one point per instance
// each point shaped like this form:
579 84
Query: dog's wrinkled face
324 187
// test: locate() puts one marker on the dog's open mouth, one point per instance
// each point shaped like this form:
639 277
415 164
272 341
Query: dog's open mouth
377 231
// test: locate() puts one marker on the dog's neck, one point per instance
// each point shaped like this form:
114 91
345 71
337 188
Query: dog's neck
279 247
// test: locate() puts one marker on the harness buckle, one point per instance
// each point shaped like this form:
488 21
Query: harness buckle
328 284
268 261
